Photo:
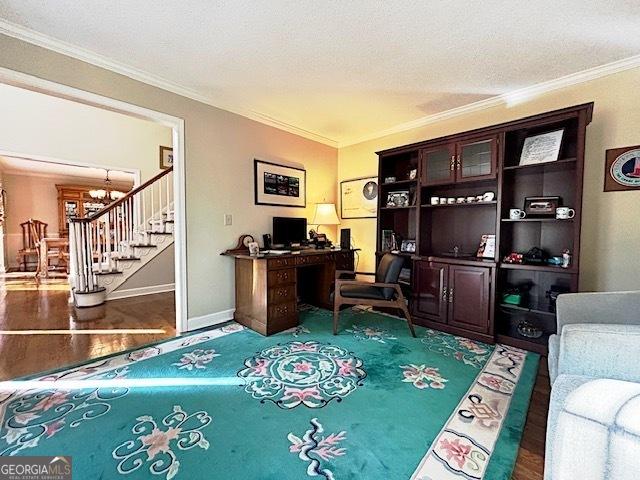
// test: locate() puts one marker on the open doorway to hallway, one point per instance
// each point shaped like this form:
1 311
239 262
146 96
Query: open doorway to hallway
88 207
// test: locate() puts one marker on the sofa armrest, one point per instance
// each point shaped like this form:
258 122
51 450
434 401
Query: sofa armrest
600 351
602 307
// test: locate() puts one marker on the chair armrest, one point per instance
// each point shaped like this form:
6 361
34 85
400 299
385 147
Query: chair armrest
600 351
601 307
368 284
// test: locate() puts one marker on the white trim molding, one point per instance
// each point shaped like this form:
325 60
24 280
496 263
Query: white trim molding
210 319
47 87
135 292
35 38
41 40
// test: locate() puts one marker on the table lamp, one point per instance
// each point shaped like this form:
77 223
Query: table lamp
325 214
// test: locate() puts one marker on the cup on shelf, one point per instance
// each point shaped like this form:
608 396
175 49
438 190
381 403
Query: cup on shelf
443 200
451 200
435 200
516 214
460 200
565 213
488 197
471 199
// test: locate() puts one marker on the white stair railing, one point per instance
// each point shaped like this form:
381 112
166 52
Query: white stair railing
98 241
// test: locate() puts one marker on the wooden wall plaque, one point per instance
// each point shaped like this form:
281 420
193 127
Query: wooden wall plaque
622 169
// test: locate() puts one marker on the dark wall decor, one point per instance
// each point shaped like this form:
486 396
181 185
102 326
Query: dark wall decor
622 169
279 185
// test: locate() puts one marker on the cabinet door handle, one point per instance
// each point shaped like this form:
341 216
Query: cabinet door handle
444 294
451 295
452 164
459 162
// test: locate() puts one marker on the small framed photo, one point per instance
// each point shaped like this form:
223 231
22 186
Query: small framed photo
541 148
386 242
541 206
166 157
398 199
389 179
254 248
487 247
408 246
413 173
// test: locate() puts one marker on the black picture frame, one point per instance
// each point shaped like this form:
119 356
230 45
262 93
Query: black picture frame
279 192
549 211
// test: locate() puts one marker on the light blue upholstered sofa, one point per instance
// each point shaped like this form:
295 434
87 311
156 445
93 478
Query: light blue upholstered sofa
593 428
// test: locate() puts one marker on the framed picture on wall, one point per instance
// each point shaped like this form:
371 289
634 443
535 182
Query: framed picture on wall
166 157
279 185
359 198
622 169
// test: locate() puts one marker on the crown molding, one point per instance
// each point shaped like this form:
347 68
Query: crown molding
41 40
516 96
510 98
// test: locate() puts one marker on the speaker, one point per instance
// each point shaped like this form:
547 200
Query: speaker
345 238
266 239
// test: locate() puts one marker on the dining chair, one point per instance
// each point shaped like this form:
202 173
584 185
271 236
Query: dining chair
32 230
384 292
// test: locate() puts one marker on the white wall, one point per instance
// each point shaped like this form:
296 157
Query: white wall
35 124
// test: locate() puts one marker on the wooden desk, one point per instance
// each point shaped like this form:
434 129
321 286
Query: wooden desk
268 287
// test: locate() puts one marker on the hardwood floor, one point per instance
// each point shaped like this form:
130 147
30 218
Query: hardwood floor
74 335
530 462
23 308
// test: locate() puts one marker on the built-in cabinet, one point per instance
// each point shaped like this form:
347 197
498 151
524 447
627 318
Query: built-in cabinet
451 288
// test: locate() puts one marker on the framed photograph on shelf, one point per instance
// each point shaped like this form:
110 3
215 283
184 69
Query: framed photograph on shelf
542 148
166 157
487 247
408 246
398 199
541 206
279 185
359 198
386 242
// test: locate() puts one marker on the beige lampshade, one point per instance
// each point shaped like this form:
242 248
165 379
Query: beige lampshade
325 215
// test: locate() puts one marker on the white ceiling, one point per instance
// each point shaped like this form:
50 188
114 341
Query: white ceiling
30 167
343 70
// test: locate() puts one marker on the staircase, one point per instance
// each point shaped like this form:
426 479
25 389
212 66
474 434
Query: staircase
109 246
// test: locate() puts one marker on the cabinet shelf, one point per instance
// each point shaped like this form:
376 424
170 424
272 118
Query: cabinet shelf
538 268
533 308
398 183
565 162
459 205
537 220
397 208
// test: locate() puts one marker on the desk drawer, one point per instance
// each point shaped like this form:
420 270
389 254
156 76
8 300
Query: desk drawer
280 262
282 310
282 294
311 259
276 278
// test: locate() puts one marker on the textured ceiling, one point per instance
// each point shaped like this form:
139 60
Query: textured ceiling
343 69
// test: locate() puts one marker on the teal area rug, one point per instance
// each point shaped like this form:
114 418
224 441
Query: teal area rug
228 403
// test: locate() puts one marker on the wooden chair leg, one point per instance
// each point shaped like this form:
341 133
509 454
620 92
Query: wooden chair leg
403 306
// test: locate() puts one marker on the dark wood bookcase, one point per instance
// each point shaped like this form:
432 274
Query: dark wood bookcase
458 292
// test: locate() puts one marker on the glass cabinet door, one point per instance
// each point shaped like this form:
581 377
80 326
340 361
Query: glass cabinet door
438 165
476 159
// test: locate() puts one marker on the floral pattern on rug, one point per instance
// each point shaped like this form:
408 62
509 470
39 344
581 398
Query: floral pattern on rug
297 331
423 377
37 415
461 454
196 359
314 448
302 373
370 333
462 349
155 443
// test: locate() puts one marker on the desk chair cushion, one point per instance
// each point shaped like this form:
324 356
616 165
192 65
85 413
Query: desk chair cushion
388 271
362 291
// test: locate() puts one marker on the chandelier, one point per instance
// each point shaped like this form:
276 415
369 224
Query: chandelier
106 194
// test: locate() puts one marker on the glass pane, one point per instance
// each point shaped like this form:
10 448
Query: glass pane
476 159
438 165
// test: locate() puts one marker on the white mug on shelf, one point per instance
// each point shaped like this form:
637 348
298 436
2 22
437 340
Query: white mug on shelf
565 213
516 214
435 200
451 200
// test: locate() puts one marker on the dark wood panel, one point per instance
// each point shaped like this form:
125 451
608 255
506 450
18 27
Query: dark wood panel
469 297
430 290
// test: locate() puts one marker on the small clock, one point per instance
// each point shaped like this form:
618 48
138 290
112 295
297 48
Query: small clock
243 244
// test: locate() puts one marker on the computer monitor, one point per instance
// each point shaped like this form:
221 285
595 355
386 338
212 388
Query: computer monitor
288 230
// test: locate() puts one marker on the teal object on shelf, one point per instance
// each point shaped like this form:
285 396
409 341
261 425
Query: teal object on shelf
512 298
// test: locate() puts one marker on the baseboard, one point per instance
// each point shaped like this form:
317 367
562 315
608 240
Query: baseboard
135 292
210 319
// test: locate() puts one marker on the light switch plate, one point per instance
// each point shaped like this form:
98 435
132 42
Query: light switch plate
228 219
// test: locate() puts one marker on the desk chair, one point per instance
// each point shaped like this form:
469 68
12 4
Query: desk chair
385 292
